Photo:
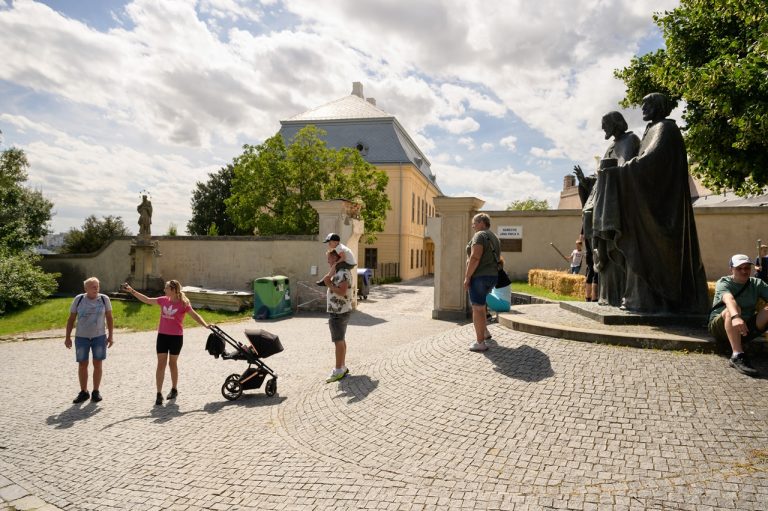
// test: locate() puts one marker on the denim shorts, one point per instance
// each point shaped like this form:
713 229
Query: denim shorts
84 346
338 325
479 287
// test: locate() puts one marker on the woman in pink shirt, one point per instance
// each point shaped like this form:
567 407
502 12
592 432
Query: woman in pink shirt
170 333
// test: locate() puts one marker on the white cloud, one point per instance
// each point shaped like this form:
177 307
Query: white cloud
468 142
509 142
497 187
460 126
549 154
487 146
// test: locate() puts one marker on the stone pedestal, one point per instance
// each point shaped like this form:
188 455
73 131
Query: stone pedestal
145 265
451 232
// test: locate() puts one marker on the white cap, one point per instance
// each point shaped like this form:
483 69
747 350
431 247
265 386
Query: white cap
740 259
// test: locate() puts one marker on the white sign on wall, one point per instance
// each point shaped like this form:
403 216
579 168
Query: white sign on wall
510 232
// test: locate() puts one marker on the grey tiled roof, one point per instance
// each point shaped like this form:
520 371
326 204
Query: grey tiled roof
351 122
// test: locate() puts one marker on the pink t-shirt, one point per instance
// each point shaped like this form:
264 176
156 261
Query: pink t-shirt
171 316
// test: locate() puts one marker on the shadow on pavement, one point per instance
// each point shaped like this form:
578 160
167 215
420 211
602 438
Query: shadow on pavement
67 418
356 388
523 363
360 318
245 401
163 414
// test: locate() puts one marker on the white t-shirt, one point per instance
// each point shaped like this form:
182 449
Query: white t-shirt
346 254
576 257
336 303
91 315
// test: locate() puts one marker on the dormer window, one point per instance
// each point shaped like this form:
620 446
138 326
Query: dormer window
362 148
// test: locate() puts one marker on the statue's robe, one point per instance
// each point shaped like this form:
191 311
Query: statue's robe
603 213
664 272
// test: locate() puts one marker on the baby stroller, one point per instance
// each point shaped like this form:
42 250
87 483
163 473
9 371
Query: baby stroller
262 345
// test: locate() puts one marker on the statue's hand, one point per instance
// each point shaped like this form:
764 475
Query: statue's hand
578 172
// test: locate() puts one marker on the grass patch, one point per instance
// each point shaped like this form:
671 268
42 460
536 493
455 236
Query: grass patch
53 313
524 287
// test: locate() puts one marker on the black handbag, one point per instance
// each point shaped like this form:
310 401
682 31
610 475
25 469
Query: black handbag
502 280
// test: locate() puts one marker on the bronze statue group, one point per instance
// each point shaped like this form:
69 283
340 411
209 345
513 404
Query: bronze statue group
641 241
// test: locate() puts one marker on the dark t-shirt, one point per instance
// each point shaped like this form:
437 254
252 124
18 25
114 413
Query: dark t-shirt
489 242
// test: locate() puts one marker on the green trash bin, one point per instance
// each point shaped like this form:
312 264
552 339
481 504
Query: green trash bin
271 298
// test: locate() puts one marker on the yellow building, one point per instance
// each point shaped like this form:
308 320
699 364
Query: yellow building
353 121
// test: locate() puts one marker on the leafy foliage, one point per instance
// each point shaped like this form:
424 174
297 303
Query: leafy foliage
24 213
24 217
208 207
716 60
274 183
94 234
22 281
529 204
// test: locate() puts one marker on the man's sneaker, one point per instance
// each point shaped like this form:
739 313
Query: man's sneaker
479 346
320 283
742 365
159 399
337 374
82 396
96 396
172 394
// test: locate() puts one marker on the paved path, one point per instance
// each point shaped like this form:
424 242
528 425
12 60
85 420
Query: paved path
421 423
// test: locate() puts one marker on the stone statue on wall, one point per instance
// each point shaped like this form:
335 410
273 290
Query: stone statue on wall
657 231
602 216
145 216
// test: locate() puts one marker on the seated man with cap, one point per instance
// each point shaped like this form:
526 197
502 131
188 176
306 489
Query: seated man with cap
733 317
347 260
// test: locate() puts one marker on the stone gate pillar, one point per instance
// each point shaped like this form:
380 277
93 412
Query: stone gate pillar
342 217
451 231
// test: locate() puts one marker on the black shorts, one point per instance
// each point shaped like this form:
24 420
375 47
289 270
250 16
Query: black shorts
169 343
591 275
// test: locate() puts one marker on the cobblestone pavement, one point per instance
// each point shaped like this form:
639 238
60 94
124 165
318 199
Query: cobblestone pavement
420 423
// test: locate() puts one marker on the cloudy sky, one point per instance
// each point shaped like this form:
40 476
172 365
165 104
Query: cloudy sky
113 97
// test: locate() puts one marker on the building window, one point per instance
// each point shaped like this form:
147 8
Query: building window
371 258
411 258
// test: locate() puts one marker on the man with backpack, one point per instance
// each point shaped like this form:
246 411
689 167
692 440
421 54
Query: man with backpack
734 317
91 310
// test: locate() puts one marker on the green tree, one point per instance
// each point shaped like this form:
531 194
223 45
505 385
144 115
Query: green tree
24 218
24 213
208 206
274 183
172 230
529 204
93 235
716 60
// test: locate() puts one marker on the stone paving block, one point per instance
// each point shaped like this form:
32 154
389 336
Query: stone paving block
12 492
27 503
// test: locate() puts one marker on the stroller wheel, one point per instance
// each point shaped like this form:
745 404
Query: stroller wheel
271 388
232 388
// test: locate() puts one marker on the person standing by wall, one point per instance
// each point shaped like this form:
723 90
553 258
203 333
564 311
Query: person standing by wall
576 257
339 307
480 275
91 310
170 333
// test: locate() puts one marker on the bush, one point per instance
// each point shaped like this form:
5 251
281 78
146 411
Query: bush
22 281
